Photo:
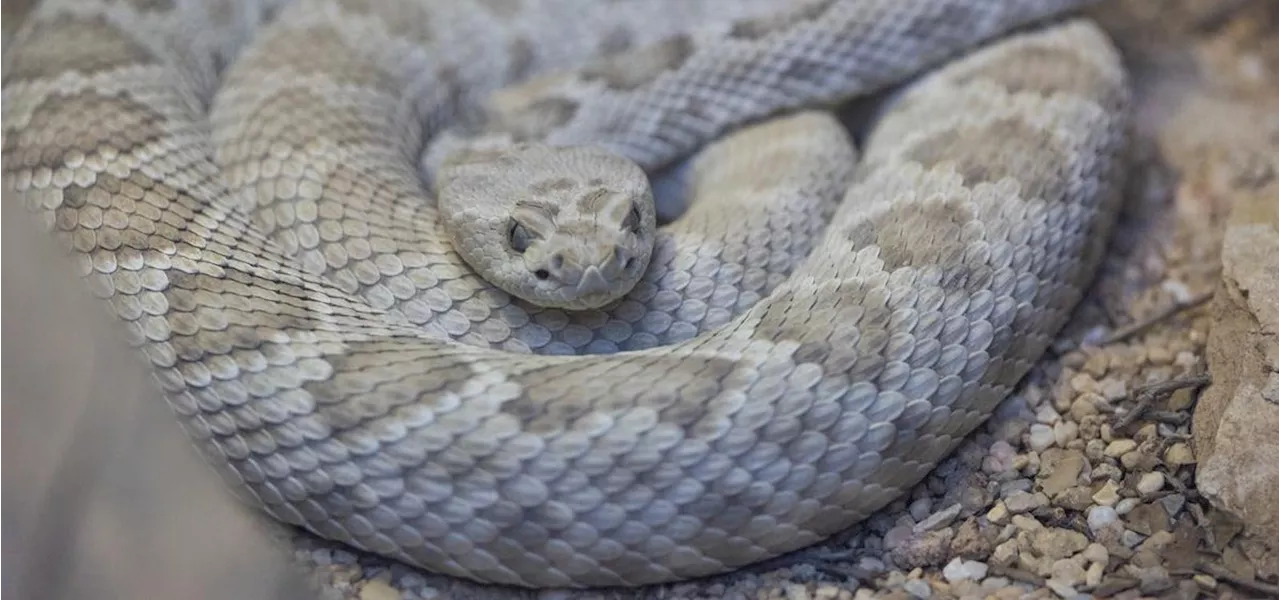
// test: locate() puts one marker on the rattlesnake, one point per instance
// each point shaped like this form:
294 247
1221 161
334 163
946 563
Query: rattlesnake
276 258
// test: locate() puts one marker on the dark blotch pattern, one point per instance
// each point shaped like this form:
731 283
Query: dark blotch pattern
753 29
897 232
1046 71
1033 157
634 69
87 45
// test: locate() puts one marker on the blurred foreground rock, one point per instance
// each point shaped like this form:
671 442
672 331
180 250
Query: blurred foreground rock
104 497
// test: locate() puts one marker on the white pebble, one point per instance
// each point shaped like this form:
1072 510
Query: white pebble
1064 432
1047 415
918 588
960 570
1101 517
1177 289
1041 437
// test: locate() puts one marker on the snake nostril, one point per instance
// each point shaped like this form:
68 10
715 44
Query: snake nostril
541 274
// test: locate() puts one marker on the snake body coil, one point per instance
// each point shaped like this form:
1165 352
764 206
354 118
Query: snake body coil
807 343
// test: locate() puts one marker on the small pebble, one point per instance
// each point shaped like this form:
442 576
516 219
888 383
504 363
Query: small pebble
1205 582
1005 553
1056 542
939 519
1154 580
1173 504
1093 575
1131 538
1180 400
1096 552
1120 447
1108 494
1114 389
1025 523
1083 383
1179 454
1126 505
1097 364
999 514
377 590
919 509
1062 589
1102 517
1086 405
1047 416
1150 483
1065 432
1068 570
1179 290
961 570
1040 437
918 588
1022 502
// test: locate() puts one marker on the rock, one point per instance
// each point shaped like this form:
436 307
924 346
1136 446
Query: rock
1102 517
918 588
1060 588
962 570
1114 389
1041 437
1119 448
1173 504
1150 483
378 590
1108 494
1005 554
1180 454
1096 552
1148 518
972 541
1061 470
1070 571
1093 575
1022 502
1180 400
1058 543
1235 421
939 519
1076 498
999 514
924 550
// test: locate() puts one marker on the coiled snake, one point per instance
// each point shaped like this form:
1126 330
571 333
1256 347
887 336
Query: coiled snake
808 341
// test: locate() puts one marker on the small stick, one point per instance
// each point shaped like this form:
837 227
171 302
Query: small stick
1017 574
1143 325
1224 574
1148 394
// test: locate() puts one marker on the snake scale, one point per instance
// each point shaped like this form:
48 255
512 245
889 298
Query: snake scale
241 184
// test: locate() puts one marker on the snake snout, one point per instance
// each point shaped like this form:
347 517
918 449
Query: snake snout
592 281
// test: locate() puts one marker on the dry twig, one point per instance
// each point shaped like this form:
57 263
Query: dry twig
1147 394
1143 325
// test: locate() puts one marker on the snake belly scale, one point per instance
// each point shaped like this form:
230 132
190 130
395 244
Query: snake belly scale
239 183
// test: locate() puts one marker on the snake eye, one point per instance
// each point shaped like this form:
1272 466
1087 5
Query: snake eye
518 236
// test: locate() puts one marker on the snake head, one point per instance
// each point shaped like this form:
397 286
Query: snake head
568 228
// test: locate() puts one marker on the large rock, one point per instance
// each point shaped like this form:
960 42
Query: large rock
1236 420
